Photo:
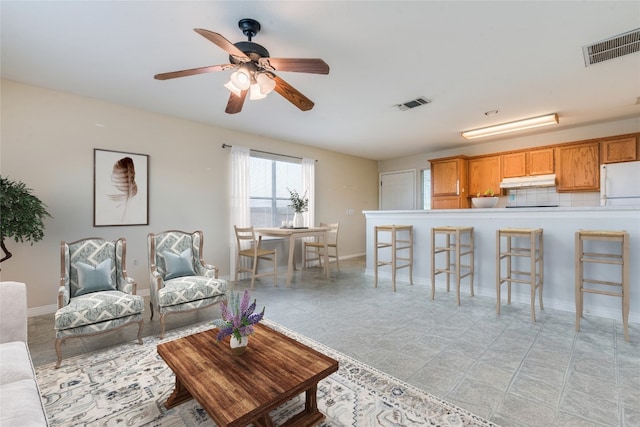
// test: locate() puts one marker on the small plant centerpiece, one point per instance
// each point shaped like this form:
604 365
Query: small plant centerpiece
299 204
237 320
487 199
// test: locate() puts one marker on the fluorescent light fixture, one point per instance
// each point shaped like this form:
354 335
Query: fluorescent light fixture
549 119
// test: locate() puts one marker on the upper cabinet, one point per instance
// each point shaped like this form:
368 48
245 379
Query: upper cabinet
527 163
540 162
449 183
616 150
514 164
484 174
578 167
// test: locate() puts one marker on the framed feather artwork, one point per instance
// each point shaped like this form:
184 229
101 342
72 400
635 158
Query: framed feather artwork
120 188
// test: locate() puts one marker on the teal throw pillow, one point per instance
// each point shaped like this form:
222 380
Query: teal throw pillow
94 279
178 265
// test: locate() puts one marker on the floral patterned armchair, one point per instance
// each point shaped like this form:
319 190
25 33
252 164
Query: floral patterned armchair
180 280
95 294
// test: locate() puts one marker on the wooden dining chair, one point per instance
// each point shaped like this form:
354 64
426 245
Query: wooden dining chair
313 251
249 248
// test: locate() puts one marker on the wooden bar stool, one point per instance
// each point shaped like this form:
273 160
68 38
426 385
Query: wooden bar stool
401 243
534 251
456 249
620 258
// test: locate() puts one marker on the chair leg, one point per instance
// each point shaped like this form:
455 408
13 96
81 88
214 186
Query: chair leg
141 322
59 342
151 308
255 271
337 259
162 316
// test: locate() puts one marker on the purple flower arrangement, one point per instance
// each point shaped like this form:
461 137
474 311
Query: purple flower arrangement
238 316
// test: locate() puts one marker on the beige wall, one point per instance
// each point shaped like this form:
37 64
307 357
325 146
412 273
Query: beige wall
47 141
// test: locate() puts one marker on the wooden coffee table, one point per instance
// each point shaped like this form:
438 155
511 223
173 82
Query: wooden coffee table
239 390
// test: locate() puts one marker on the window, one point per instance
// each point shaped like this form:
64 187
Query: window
426 189
268 194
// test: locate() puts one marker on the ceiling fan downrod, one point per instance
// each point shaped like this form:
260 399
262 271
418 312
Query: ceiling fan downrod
250 27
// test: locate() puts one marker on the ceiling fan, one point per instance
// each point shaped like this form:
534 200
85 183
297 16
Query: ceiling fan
254 69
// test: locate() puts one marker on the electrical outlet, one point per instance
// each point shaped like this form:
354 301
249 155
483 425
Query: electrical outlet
135 262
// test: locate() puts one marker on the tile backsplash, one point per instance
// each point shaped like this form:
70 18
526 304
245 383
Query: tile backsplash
548 196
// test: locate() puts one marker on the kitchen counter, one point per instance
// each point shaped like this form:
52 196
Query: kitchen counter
559 225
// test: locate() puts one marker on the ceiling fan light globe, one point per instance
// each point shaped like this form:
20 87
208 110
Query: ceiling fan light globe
255 93
241 79
232 88
266 83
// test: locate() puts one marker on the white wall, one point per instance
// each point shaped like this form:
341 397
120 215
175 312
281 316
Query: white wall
47 141
421 161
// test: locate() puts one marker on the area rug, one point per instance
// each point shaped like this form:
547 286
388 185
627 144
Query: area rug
127 385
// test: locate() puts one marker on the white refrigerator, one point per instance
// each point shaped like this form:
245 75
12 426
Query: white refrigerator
620 184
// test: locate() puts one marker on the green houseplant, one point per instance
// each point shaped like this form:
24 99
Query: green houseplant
22 214
299 204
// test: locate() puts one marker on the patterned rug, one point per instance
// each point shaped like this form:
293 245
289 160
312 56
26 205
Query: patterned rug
127 385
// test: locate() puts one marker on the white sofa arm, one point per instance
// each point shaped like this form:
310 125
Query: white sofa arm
13 312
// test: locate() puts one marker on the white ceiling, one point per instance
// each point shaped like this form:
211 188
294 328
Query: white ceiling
521 58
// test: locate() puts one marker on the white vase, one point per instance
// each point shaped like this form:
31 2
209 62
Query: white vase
298 220
238 347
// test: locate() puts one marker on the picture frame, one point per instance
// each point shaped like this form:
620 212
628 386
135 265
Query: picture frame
120 188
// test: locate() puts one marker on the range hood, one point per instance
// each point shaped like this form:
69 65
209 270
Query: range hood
529 181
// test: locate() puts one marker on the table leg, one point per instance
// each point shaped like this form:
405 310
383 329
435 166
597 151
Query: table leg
310 415
292 245
179 395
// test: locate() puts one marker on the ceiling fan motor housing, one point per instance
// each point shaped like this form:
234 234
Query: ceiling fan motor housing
252 50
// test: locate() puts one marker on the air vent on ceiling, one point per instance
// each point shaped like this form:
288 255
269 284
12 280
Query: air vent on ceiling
413 103
612 47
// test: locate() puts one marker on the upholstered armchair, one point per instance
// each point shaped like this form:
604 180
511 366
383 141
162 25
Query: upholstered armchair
180 280
95 294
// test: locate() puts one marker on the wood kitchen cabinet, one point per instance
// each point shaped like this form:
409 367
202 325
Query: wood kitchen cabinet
619 150
528 163
514 164
578 167
484 174
449 183
540 162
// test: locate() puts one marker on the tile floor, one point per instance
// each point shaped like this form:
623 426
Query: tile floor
503 368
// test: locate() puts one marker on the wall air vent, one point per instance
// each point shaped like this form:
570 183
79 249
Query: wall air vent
611 48
413 103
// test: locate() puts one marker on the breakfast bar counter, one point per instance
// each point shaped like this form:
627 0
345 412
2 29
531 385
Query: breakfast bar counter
559 225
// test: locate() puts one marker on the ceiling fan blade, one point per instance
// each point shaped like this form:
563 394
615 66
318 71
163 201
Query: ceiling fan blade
301 65
234 105
293 95
223 43
193 71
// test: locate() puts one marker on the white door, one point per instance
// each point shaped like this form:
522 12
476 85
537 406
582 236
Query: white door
398 190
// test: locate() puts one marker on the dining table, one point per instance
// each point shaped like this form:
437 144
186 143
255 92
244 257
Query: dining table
297 233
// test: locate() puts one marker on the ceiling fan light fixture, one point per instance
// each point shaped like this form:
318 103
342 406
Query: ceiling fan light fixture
255 93
534 122
265 82
232 88
241 79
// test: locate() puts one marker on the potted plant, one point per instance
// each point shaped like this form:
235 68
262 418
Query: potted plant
22 215
237 320
485 200
299 204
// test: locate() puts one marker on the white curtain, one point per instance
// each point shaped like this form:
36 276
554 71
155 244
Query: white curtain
308 185
240 211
